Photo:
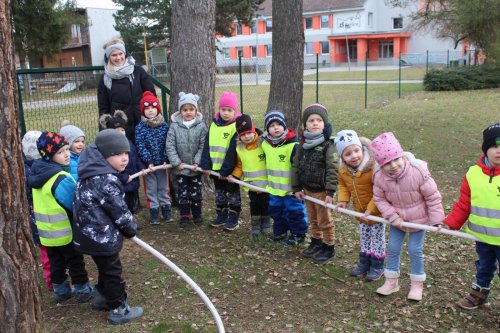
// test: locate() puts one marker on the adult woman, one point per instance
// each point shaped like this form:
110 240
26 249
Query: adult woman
122 85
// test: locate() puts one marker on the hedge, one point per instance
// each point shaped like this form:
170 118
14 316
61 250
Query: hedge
463 78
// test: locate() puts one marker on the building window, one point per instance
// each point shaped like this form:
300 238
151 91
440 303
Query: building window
254 27
226 53
254 51
385 49
239 29
324 21
397 23
75 31
269 50
309 22
269 25
239 51
325 47
309 48
370 20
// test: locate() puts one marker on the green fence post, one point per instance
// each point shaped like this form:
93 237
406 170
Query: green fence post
448 59
317 77
21 110
164 91
366 80
241 84
399 94
427 62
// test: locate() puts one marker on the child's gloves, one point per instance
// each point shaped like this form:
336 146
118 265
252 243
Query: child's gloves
129 232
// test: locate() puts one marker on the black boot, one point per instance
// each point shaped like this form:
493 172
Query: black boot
363 265
315 245
154 216
233 220
255 220
167 213
326 253
221 218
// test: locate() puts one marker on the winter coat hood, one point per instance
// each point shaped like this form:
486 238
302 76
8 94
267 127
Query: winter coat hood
92 163
177 118
42 171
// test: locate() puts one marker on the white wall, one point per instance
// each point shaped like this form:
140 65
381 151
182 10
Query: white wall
101 29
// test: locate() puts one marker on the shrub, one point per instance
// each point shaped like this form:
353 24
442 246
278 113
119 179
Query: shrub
463 78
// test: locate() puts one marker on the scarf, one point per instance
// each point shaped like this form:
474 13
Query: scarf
275 141
153 122
312 139
115 73
189 123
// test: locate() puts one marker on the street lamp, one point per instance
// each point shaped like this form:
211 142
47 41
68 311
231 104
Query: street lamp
145 47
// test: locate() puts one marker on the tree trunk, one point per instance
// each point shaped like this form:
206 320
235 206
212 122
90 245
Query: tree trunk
193 53
288 60
20 307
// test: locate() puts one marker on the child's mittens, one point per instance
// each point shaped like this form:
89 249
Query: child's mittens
129 232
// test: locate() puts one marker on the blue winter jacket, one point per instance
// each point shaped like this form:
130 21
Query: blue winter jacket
150 143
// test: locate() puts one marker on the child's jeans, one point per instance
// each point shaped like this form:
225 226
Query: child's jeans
415 251
487 264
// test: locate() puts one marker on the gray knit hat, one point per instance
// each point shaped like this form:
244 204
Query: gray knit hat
188 99
30 149
71 132
110 142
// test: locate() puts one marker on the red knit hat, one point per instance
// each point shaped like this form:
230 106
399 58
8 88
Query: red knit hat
149 99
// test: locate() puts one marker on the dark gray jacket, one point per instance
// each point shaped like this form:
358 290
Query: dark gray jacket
185 145
101 216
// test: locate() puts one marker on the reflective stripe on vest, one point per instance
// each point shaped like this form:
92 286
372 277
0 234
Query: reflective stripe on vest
219 138
484 218
52 220
253 163
279 167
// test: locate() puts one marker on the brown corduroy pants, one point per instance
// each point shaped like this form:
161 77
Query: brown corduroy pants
321 225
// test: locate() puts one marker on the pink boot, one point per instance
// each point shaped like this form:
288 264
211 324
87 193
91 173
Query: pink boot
390 285
417 287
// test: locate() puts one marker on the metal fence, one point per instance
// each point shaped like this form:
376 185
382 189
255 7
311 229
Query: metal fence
48 96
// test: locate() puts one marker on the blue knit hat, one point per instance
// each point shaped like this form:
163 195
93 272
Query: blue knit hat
272 116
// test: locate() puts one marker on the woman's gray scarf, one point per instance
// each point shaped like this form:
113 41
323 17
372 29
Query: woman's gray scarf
276 141
115 73
312 139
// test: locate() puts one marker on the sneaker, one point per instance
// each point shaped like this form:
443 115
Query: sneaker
82 292
124 314
294 240
277 238
232 222
62 292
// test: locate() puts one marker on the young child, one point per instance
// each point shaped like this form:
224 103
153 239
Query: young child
479 206
356 169
404 190
30 154
288 212
185 141
102 219
118 122
53 190
251 165
150 137
314 173
76 139
220 140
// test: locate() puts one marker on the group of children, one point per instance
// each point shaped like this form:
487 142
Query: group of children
377 176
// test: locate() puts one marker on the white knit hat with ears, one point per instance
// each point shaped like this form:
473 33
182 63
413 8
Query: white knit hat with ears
188 99
30 149
344 139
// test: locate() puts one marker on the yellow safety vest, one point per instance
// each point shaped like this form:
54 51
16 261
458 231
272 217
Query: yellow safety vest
484 218
219 138
54 227
253 163
279 168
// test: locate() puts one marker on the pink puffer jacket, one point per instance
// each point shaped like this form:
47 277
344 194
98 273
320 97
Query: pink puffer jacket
413 196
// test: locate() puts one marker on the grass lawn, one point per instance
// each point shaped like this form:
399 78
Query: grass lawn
261 287
407 73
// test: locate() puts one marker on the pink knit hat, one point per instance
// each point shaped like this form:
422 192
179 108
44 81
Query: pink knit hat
386 148
230 100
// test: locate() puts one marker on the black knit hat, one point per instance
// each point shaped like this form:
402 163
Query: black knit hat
49 143
318 109
491 137
244 124
110 142
272 116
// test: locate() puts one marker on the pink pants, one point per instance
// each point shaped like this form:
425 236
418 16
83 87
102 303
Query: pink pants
44 258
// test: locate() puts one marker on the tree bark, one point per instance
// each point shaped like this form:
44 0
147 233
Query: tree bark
193 53
20 306
288 61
